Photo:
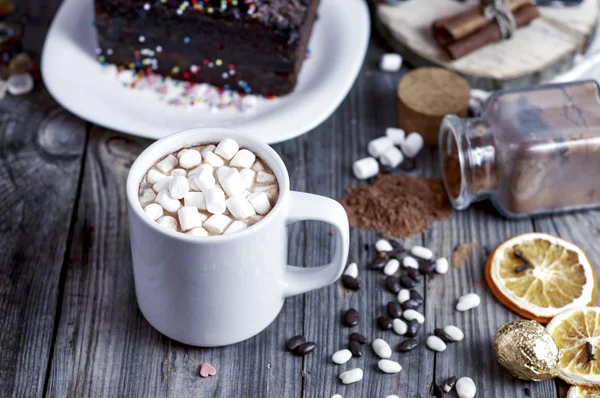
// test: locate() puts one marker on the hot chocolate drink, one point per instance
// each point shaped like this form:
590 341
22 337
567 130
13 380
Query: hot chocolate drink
209 189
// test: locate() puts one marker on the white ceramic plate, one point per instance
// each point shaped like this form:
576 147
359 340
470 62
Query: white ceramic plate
74 77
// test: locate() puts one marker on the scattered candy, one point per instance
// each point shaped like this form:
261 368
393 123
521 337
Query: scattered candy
410 262
400 327
396 135
454 332
391 158
436 344
408 345
421 252
365 168
391 267
449 383
465 387
352 270
390 62
394 309
350 283
412 145
355 348
389 366
358 337
382 349
304 349
383 245
207 370
378 263
20 84
403 295
336 396
393 284
407 282
350 318
441 265
468 302
351 376
384 323
443 335
295 342
410 315
413 328
341 357
378 146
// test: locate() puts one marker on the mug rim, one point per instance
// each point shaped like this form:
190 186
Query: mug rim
155 152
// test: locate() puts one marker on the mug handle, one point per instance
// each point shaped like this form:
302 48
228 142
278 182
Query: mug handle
305 206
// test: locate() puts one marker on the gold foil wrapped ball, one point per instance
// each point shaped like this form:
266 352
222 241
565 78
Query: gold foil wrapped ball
527 350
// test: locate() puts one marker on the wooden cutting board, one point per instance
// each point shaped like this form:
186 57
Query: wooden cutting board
536 53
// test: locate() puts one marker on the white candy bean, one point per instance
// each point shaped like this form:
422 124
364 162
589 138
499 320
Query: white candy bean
244 159
441 265
167 202
378 146
468 302
260 202
410 262
392 396
390 62
400 327
154 211
421 252
391 267
168 222
189 158
412 145
215 201
240 207
217 224
203 178
351 376
167 164
341 357
197 232
396 135
178 187
465 387
352 270
436 344
154 176
392 157
383 245
235 227
189 218
382 348
454 332
336 396
365 168
196 199
403 295
227 148
388 366
409 315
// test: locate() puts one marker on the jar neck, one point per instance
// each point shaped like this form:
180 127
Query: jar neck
468 160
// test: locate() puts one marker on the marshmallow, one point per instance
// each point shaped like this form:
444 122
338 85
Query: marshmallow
189 218
227 149
396 135
213 160
392 157
272 193
235 227
365 168
249 176
215 201
231 181
258 166
167 202
240 207
206 149
167 164
390 62
244 159
412 145
197 232
254 219
154 176
162 184
195 171
147 196
196 199
178 187
263 177
204 179
168 222
378 146
154 211
260 202
217 224
246 193
189 158
178 172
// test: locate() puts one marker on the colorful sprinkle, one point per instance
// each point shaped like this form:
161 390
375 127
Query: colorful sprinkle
141 39
187 40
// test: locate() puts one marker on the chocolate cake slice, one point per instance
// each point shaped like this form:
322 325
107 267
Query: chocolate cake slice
252 46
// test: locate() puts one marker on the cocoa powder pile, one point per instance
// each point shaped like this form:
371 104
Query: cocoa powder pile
398 205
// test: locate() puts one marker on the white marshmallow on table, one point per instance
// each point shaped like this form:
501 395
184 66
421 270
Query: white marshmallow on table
204 179
235 227
197 232
260 202
399 326
240 207
454 332
227 148
383 245
341 357
396 135
465 387
441 265
351 376
244 159
167 164
196 199
147 196
392 157
382 348
392 396
378 146
167 202
206 149
436 344
410 262
154 176
389 366
409 315
390 62
231 181
154 211
189 217
421 252
168 222
215 201
189 158
468 302
162 184
249 177
178 172
262 177
217 224
336 396
352 270
213 160
391 267
365 168
412 145
403 295
178 187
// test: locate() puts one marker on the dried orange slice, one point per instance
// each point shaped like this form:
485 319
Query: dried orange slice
577 335
583 392
538 276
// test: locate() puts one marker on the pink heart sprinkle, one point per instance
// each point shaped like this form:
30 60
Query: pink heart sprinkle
207 370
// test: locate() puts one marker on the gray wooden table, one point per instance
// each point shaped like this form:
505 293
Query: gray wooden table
70 325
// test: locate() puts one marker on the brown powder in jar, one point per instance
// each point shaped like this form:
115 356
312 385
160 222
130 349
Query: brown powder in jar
399 205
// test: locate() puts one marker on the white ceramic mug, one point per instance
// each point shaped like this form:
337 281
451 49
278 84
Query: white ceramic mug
219 290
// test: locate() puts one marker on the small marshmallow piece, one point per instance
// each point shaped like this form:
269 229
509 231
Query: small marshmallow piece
260 202
410 262
167 164
403 295
336 396
178 172
254 219
441 265
249 177
409 315
154 176
382 349
383 245
412 145
365 168
154 211
231 181
147 196
235 227
399 326
189 158
351 376
204 179
262 177
162 184
213 160
390 62
20 84
421 252
197 232
167 202
244 159
391 267
217 224
189 218
389 366
215 201
227 149
468 302
168 222
465 387
378 146
396 135
341 356
259 166
240 207
195 199
178 187
206 149
352 270
392 157
454 332
436 344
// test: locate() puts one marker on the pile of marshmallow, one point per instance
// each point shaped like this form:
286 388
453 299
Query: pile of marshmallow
209 190
390 150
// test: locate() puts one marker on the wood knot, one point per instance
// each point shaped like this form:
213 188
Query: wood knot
61 135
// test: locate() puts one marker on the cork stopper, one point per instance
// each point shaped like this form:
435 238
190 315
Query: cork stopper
426 95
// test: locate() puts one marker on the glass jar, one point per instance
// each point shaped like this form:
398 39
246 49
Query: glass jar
532 151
